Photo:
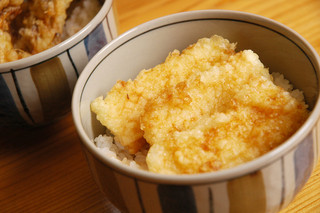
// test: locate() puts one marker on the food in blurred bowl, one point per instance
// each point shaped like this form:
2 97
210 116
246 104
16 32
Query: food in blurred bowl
53 41
29 27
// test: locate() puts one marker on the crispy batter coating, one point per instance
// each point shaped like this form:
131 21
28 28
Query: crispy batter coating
42 24
9 3
7 51
205 109
29 27
9 10
122 108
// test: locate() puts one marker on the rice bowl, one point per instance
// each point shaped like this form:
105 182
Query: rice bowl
273 179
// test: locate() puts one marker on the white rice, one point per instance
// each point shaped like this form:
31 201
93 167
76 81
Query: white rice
279 80
114 150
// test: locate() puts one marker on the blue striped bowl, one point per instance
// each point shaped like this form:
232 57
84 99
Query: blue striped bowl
266 184
38 89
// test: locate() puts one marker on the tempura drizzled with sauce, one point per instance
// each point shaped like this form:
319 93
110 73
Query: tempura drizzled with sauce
204 109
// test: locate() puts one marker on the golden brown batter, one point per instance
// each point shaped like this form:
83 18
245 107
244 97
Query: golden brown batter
205 109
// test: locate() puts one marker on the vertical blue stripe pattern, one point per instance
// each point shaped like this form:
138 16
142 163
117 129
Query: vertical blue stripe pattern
139 196
72 62
9 114
211 205
303 159
95 41
23 103
283 186
176 199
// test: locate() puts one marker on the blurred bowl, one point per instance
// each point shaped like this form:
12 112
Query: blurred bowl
37 90
266 184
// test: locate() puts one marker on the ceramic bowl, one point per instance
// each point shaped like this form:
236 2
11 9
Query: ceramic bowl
266 184
37 90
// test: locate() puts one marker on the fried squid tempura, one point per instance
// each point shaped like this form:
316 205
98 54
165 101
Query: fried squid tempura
204 109
125 103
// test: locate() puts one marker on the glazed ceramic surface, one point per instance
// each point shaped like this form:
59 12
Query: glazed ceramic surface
38 89
266 184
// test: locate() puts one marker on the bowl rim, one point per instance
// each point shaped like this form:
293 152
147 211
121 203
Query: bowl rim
62 46
194 179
